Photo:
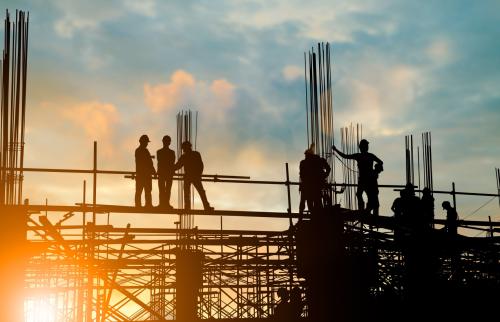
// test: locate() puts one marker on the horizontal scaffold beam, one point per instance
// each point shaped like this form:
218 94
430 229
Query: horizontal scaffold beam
155 210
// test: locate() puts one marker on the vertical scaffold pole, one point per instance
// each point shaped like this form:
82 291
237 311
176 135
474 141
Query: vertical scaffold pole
289 210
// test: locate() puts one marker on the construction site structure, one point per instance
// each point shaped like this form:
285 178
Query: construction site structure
61 263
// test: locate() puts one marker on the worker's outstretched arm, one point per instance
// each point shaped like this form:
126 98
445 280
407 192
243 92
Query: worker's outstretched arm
342 154
179 164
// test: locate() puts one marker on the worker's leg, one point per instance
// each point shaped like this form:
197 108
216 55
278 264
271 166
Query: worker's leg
371 189
359 196
203 196
161 190
168 189
302 203
187 193
139 186
306 196
373 203
148 187
316 199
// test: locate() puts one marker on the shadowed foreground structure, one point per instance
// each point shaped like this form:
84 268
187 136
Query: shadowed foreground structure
337 259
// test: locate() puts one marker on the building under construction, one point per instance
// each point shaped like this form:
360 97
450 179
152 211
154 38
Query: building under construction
340 263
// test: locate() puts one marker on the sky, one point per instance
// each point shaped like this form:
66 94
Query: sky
111 71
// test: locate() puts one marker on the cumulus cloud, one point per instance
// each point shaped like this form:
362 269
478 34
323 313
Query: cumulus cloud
292 72
170 95
185 90
96 119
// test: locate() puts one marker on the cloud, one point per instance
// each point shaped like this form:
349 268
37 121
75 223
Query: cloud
66 26
376 101
79 16
338 21
223 92
170 95
292 72
440 52
76 16
96 119
185 90
144 7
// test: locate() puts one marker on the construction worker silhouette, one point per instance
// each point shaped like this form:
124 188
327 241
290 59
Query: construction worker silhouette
282 312
451 226
397 209
193 169
296 304
166 160
412 210
397 205
367 176
144 171
313 171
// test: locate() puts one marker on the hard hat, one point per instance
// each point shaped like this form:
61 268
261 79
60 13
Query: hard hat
144 138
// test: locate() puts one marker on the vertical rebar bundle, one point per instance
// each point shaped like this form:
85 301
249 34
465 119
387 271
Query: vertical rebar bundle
349 142
319 99
13 107
410 168
185 132
319 105
427 160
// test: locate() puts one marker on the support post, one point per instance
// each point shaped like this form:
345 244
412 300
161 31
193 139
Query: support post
453 193
289 210
94 183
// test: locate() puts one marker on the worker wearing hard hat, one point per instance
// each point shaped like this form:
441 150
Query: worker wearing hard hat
193 169
314 171
144 171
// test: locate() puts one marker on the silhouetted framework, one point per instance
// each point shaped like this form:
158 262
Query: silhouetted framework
335 258
13 107
137 272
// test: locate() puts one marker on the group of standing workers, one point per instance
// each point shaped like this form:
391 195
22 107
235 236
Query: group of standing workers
190 160
417 214
409 210
314 171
